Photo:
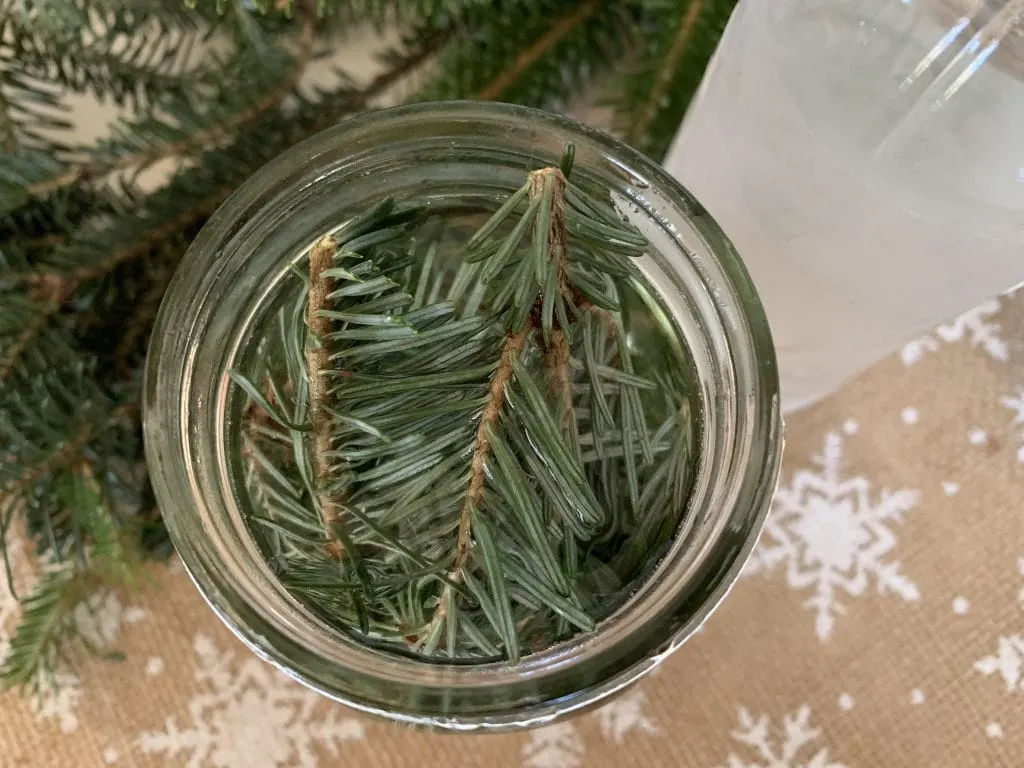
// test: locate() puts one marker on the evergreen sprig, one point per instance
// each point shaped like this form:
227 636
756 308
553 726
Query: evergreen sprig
679 38
86 249
450 450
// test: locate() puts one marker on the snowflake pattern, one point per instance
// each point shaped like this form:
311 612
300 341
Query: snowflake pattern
791 746
833 537
623 715
1008 659
99 618
975 324
58 701
1016 403
99 621
561 746
250 714
554 746
8 602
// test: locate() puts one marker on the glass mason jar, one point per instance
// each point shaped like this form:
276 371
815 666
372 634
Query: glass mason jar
459 153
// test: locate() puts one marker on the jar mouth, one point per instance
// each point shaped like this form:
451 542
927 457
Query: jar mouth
433 148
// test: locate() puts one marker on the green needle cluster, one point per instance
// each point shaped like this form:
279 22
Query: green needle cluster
475 449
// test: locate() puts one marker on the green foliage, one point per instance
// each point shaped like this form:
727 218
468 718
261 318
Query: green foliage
47 619
87 248
447 456
537 53
679 38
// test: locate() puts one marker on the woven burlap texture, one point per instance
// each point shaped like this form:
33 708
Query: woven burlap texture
879 623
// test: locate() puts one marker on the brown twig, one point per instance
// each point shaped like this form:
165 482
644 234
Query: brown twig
55 289
318 363
511 348
666 71
541 46
67 454
13 353
557 358
380 84
152 238
224 130
557 354
45 241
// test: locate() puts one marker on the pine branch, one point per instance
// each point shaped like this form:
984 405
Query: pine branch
537 50
61 285
51 290
510 350
666 70
174 209
468 508
656 90
128 52
46 618
39 646
111 157
62 457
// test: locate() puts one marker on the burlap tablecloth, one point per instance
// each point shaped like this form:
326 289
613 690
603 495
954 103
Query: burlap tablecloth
879 623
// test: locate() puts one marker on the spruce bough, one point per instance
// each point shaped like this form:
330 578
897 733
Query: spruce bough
86 250
469 449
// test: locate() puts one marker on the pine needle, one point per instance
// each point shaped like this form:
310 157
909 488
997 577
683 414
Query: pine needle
454 409
87 255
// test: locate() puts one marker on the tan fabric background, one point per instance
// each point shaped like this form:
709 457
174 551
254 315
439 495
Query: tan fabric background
880 622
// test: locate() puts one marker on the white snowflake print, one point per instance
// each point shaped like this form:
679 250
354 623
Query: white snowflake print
250 715
625 714
99 618
793 745
1008 659
554 746
561 746
1007 662
58 700
8 602
834 537
1016 403
975 324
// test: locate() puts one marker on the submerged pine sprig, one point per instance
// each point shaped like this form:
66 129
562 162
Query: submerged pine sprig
469 447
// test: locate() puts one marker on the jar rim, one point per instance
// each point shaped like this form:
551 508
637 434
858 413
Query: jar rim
181 396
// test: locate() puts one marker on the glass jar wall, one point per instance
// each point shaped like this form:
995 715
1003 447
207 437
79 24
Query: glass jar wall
458 156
